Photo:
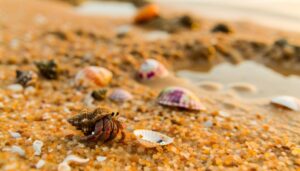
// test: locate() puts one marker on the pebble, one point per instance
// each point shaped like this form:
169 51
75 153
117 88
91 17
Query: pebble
17 149
156 35
101 158
37 146
40 164
15 87
64 167
15 134
208 124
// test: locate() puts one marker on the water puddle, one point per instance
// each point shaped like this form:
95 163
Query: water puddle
248 79
111 9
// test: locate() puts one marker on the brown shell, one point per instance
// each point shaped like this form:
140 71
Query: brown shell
86 121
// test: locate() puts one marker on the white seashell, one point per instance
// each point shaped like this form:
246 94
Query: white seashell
76 159
152 139
40 164
101 158
289 102
120 95
15 134
15 87
37 146
64 167
17 149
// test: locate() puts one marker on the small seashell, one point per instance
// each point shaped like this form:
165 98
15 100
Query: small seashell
146 13
152 69
179 97
15 87
99 94
15 134
93 76
152 139
26 78
17 149
288 102
37 146
101 158
64 166
120 95
40 164
76 159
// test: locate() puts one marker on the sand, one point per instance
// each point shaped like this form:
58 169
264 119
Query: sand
233 134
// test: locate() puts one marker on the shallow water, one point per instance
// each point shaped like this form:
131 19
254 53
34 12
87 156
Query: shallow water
266 81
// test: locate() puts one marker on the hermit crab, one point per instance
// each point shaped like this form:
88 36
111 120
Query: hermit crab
98 125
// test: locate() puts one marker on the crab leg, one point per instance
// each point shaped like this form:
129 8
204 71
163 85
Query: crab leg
122 132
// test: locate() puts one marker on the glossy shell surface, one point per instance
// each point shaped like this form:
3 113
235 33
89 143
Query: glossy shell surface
152 139
288 102
179 97
146 13
93 76
152 69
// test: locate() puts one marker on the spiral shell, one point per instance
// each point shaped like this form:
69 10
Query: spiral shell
93 76
152 139
152 69
179 97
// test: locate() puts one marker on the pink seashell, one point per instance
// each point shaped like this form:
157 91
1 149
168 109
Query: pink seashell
152 69
93 76
120 95
179 97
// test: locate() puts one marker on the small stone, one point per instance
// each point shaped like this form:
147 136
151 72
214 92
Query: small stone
15 87
17 149
208 124
37 146
40 164
101 158
15 134
64 167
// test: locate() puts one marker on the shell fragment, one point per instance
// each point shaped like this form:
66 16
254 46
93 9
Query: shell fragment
152 139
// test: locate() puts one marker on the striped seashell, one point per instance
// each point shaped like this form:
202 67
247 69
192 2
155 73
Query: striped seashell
152 139
152 69
93 76
179 97
120 95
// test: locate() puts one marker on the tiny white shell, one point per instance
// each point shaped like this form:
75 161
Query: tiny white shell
101 158
37 146
40 164
15 87
289 102
15 134
17 149
73 158
152 139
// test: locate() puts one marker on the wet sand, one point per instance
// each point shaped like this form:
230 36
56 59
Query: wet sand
252 135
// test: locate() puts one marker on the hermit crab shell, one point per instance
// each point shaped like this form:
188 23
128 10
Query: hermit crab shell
120 95
152 69
288 102
152 139
93 76
179 97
